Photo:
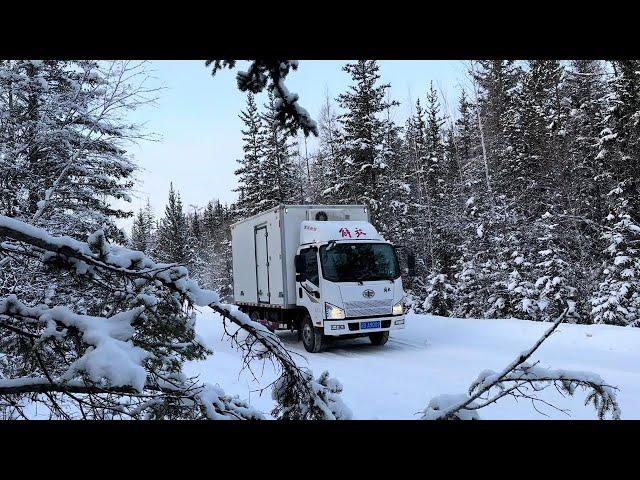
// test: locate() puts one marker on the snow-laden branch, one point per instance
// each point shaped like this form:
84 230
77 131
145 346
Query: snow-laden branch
111 365
211 399
111 354
521 379
271 74
94 258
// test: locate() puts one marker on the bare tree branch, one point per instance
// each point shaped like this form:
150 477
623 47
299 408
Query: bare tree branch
519 378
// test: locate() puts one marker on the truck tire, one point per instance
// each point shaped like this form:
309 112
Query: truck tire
311 337
379 338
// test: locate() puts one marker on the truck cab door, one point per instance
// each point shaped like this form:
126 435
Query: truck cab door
308 294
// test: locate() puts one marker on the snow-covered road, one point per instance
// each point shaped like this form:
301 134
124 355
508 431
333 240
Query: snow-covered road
436 355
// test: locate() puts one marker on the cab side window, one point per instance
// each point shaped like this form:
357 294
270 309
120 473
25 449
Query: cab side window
311 261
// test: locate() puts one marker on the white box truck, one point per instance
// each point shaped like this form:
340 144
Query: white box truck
322 270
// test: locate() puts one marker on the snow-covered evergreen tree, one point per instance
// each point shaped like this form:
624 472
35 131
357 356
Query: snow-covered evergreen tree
624 123
174 243
329 167
440 296
413 174
395 199
617 300
538 146
143 230
498 81
215 249
589 153
279 172
513 293
555 293
364 129
250 171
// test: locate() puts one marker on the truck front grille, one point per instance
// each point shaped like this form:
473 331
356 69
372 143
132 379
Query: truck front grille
368 308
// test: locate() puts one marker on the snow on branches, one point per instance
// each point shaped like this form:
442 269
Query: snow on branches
137 352
324 402
617 299
271 74
110 355
523 380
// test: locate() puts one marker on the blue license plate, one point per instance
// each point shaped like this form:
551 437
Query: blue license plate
367 325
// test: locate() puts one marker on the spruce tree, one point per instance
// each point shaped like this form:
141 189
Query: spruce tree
617 300
440 296
395 199
539 146
585 176
415 153
466 130
279 173
625 125
215 247
173 244
143 230
498 81
329 166
555 293
250 171
363 135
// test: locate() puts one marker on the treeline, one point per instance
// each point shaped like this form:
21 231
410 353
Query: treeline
523 203
200 239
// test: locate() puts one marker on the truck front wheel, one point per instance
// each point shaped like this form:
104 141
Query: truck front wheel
379 338
311 337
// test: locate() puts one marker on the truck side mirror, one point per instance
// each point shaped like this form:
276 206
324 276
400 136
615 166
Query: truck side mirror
299 262
411 264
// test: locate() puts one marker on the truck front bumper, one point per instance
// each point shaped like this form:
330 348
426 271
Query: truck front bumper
348 326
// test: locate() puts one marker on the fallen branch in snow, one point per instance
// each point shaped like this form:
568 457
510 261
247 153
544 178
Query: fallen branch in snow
148 286
523 380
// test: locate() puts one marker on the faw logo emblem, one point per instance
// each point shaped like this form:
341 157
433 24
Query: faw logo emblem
368 293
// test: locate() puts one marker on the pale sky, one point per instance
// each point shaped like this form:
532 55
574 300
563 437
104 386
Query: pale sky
196 117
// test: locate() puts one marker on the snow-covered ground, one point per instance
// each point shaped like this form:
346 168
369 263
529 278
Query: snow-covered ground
436 355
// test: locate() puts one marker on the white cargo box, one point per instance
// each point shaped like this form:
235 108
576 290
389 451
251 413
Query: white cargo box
264 246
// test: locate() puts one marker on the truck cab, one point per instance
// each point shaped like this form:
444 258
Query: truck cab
348 283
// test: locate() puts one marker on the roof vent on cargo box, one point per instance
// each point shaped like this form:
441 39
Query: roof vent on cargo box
326 214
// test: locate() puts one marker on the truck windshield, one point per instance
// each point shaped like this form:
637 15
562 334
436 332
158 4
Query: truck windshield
356 262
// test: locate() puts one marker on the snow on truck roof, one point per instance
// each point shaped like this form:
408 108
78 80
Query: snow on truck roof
313 232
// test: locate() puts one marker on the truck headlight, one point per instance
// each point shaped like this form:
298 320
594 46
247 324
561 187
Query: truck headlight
398 308
332 312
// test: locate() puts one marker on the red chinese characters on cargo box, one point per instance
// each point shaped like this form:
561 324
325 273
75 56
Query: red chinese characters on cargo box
345 232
